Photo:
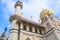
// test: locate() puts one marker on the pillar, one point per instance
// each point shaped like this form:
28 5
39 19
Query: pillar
21 25
27 27
14 31
33 29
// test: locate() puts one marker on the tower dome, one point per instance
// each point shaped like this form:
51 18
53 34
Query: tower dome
18 7
46 11
19 3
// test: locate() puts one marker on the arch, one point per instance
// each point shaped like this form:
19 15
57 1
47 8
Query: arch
27 38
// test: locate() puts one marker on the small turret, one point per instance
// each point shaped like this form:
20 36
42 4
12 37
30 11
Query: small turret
3 36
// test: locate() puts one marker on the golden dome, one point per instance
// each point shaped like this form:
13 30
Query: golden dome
46 11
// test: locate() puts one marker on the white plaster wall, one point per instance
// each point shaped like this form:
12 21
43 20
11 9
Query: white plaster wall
13 36
26 36
51 37
39 38
32 36
18 10
13 33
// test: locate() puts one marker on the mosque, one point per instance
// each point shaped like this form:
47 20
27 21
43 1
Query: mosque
26 29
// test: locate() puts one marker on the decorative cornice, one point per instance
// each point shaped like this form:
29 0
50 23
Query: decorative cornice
19 19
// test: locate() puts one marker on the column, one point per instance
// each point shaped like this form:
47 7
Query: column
43 31
14 31
46 27
33 29
21 36
18 10
27 28
21 25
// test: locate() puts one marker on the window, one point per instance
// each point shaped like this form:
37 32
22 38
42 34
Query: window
27 38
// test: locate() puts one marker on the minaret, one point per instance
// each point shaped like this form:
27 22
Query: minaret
47 17
3 36
18 7
14 30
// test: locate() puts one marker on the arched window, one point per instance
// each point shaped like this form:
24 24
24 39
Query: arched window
27 38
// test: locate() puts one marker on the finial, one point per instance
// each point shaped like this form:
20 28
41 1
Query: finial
42 8
31 17
5 29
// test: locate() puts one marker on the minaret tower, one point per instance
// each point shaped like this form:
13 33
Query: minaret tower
18 7
51 24
14 30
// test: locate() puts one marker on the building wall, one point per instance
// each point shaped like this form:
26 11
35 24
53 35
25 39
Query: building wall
51 37
27 34
30 36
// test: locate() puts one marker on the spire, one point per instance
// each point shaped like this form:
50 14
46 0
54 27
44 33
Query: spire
18 7
5 29
3 36
4 33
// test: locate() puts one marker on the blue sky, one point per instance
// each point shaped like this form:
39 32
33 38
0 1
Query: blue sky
30 8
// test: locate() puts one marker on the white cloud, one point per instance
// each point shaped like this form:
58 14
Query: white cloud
57 6
9 5
8 9
32 8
